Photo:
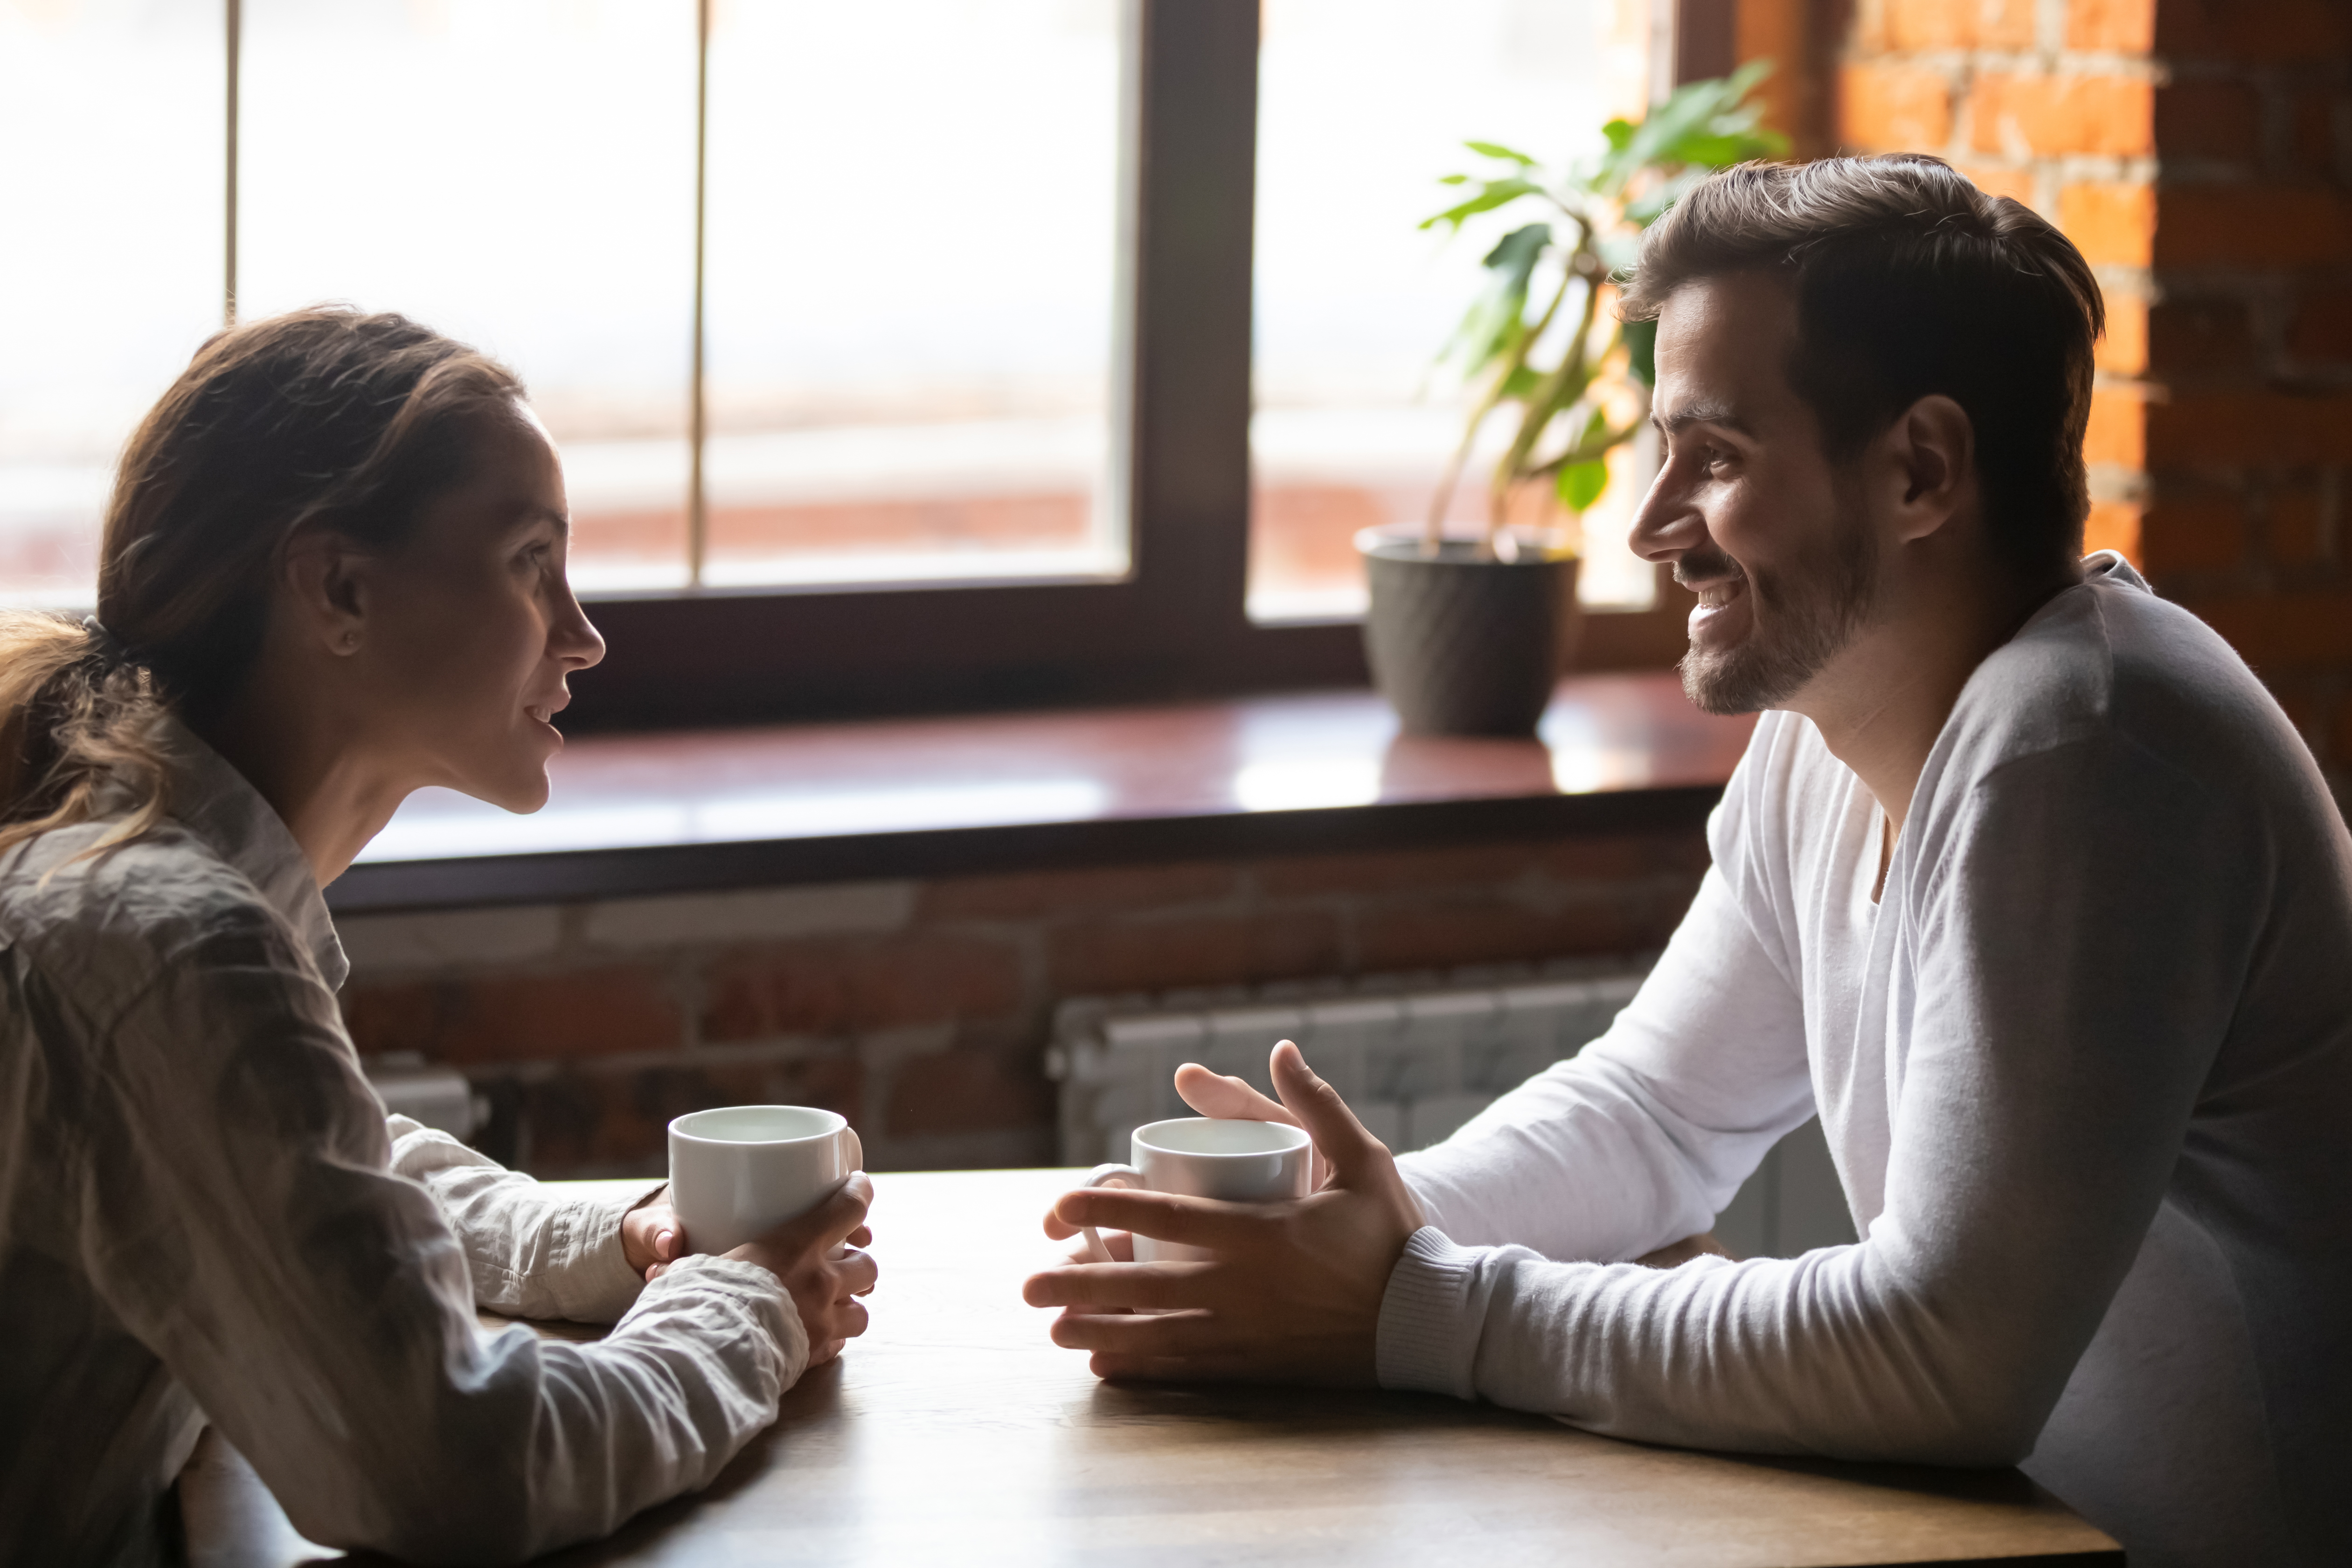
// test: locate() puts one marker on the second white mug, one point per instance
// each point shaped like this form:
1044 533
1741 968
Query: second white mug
1204 1157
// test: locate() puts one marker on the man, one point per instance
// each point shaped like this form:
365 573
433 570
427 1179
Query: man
2024 884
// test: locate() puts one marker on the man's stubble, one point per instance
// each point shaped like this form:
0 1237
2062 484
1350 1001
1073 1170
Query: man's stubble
1802 616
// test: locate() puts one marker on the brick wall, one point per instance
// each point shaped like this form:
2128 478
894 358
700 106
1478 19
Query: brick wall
2201 154
920 1010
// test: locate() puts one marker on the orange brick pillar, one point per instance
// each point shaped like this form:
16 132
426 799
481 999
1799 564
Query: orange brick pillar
2200 152
2249 429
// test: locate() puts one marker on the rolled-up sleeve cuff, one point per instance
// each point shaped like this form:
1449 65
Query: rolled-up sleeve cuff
758 1294
1428 1336
587 1266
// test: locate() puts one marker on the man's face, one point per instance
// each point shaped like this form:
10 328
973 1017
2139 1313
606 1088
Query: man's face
1745 505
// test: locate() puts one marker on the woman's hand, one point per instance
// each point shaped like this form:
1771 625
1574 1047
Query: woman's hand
817 1256
650 1233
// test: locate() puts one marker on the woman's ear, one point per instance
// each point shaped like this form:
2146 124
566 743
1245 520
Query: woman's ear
328 586
1935 459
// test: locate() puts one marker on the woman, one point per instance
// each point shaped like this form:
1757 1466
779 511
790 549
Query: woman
333 572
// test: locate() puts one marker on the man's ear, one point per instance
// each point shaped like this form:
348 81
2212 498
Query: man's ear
329 590
1933 454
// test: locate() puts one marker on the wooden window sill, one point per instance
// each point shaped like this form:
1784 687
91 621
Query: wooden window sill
1291 774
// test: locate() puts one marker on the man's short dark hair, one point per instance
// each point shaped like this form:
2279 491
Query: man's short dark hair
1910 281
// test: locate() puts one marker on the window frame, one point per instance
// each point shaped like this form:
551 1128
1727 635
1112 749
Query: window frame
1176 624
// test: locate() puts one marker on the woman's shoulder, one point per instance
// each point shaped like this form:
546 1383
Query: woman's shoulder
114 914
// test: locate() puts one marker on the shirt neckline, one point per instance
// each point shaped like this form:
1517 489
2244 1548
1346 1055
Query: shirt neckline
221 808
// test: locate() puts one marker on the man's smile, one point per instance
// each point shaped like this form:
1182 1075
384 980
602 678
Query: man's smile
1720 612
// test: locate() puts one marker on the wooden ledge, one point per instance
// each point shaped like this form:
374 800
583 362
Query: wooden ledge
1294 774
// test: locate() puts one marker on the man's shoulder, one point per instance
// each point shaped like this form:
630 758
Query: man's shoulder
2109 668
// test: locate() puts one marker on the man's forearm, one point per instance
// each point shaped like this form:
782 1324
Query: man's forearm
1823 1354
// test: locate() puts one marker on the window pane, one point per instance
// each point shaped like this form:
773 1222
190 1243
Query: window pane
912 229
1362 105
111 126
518 173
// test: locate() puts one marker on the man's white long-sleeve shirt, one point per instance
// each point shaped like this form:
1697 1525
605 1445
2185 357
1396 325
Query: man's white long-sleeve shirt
2085 1067
205 1215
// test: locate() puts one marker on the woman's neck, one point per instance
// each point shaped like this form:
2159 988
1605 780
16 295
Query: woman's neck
323 783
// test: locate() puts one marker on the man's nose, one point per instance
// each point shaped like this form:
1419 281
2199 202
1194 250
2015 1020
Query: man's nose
1666 525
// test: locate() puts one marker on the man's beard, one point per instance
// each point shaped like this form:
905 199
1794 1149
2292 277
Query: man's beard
1799 619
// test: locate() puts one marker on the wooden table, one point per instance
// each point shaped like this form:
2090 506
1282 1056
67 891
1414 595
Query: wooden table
955 1433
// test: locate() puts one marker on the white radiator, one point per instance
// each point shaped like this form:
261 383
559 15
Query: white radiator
436 1096
1414 1065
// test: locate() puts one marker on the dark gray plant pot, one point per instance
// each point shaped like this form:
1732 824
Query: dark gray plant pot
1461 646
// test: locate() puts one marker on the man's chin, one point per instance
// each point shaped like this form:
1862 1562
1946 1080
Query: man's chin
1724 683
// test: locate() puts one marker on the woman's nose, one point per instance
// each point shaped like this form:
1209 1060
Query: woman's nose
575 638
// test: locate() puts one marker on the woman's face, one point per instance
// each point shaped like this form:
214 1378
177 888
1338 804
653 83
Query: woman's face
473 630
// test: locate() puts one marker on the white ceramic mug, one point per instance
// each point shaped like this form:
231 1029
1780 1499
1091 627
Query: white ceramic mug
740 1170
1202 1157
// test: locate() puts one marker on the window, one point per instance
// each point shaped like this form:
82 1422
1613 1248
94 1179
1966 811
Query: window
1363 106
111 177
900 353
518 173
912 230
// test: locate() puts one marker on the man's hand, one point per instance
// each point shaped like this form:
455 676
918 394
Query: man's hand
1215 1095
817 1256
1293 1295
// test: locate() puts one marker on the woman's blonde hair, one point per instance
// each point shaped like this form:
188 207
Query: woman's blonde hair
324 417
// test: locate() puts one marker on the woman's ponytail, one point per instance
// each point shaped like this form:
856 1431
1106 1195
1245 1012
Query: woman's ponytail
76 712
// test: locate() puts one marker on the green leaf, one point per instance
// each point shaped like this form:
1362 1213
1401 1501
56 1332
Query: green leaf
1706 124
1496 193
1451 180
1580 484
1619 132
1521 384
1709 151
1744 80
1495 322
1644 209
1497 150
1642 346
1515 254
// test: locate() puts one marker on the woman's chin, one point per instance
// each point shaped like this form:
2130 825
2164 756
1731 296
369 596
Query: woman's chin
527 795
522 791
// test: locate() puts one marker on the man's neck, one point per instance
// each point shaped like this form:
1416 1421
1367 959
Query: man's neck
1881 703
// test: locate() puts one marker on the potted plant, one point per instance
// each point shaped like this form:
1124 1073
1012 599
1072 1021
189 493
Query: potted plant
1467 635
